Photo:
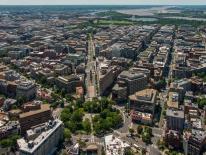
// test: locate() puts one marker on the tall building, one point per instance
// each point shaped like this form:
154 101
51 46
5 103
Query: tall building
144 100
194 142
142 105
69 83
175 119
35 117
107 75
133 81
26 89
180 86
42 140
119 92
60 69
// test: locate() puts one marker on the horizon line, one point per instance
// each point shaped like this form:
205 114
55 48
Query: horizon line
102 4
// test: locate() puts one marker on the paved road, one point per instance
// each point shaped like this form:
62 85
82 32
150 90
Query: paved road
153 150
57 112
132 141
91 71
126 120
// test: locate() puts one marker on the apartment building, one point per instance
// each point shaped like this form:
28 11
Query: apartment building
35 117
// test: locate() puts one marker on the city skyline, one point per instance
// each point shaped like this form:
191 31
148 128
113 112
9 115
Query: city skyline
105 2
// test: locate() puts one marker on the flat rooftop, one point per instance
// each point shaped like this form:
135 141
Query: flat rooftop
175 113
131 75
147 95
173 101
114 146
44 107
39 140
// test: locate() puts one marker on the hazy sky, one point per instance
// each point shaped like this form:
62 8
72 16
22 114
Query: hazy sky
88 2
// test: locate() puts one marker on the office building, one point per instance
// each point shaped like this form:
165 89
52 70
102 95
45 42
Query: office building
26 89
175 119
107 74
144 101
134 81
35 117
42 139
69 83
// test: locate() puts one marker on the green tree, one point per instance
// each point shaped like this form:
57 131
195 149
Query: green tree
161 144
72 126
63 92
131 131
62 103
21 100
43 80
14 107
68 97
144 151
201 102
148 130
77 115
10 141
146 137
87 125
55 96
6 143
107 119
67 134
128 151
79 103
139 129
65 115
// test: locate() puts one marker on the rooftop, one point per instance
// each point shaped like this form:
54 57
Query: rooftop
114 146
43 133
175 113
44 107
173 101
131 75
69 78
147 95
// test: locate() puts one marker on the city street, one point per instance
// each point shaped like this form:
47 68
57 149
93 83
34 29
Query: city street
126 121
91 71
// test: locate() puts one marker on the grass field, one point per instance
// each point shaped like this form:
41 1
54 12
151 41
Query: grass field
115 22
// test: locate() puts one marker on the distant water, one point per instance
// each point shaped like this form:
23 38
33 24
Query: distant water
188 18
47 8
144 19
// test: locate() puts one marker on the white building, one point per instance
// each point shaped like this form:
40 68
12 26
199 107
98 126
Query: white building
42 140
114 146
